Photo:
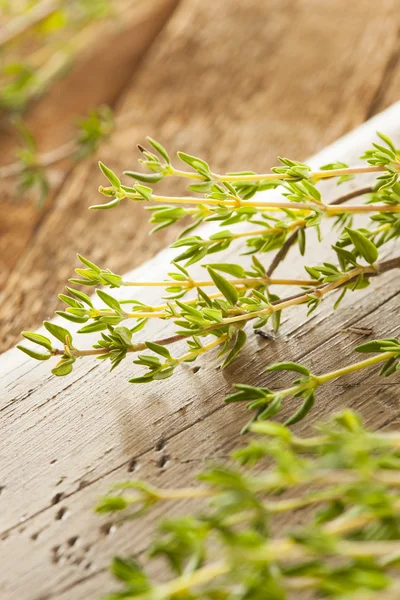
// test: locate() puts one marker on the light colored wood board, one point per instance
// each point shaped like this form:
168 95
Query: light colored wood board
100 75
172 462
94 424
236 82
131 418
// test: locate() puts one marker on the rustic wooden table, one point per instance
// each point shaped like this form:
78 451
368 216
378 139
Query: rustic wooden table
279 88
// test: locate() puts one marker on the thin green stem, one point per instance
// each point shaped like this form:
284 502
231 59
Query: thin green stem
203 349
233 202
184 174
338 478
314 381
369 362
245 281
316 175
320 291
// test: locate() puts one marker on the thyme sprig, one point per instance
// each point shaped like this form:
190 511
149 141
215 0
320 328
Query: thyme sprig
267 403
348 544
380 159
228 199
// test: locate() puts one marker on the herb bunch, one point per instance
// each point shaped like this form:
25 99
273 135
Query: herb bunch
346 546
343 481
241 294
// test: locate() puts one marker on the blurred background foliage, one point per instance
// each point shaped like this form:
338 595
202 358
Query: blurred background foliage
39 40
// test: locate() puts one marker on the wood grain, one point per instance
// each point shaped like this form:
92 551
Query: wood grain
236 82
65 440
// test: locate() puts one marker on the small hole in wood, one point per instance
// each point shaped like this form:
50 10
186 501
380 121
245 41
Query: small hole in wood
108 528
57 498
160 444
55 554
162 461
61 513
132 465
72 541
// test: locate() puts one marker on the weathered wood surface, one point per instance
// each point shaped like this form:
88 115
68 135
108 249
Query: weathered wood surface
237 82
65 440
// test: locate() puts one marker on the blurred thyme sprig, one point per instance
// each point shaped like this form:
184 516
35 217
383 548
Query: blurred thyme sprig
348 544
30 168
40 39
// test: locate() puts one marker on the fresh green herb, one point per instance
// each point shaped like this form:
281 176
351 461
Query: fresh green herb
220 305
346 547
267 403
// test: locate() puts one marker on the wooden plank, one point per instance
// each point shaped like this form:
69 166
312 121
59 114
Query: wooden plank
236 82
65 440
389 89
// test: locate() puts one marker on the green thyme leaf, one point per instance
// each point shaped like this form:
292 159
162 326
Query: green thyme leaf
231 269
240 341
37 339
226 288
159 148
364 246
158 349
112 178
303 410
288 366
60 333
64 368
109 300
33 353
